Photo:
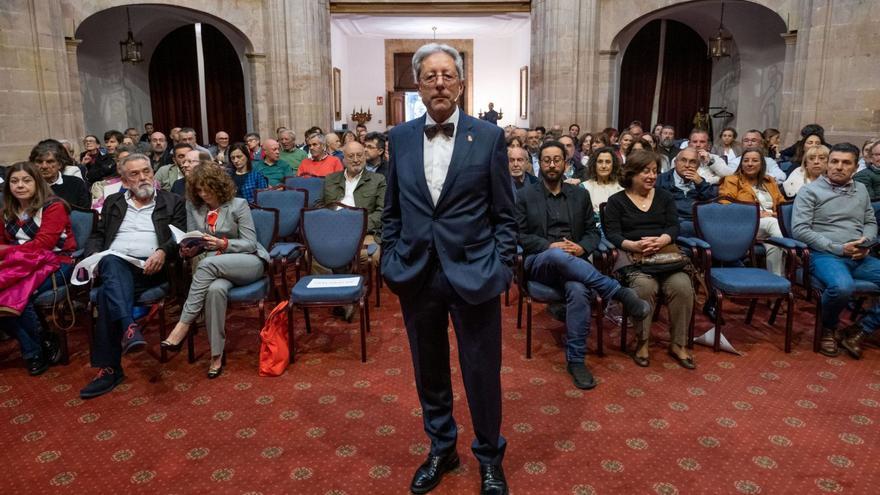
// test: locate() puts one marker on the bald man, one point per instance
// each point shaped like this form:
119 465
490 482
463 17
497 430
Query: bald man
271 166
219 150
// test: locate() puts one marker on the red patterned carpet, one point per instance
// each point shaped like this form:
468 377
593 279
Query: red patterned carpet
762 423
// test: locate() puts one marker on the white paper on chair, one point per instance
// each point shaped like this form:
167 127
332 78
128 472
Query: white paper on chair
332 283
708 339
89 264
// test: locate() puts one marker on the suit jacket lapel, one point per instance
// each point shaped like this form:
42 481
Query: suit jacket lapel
417 145
464 139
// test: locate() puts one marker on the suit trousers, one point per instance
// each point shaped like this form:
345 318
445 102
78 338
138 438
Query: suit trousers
477 327
213 278
120 283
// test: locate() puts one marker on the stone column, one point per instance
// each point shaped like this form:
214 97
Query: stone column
603 92
260 93
76 127
298 72
787 125
563 62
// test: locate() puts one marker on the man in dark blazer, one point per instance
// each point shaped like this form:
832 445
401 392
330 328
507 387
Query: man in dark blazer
558 233
449 242
134 223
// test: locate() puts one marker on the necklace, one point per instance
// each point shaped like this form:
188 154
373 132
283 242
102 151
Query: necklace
642 203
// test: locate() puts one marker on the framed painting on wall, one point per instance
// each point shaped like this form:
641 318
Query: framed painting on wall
524 92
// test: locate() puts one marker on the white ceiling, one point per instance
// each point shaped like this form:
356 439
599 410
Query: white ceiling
373 26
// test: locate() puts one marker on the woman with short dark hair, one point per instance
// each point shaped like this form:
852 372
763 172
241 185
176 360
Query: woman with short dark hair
642 221
227 255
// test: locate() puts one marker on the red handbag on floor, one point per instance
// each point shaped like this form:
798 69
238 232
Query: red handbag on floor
274 349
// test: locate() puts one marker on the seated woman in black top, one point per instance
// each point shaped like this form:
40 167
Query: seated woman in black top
641 221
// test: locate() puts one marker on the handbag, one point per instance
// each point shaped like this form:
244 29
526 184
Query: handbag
274 347
668 260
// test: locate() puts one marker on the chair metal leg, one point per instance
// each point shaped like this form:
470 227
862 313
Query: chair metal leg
191 343
817 330
719 298
774 312
378 285
519 306
290 342
600 326
308 320
163 354
751 311
690 341
65 350
623 325
788 319
528 328
364 330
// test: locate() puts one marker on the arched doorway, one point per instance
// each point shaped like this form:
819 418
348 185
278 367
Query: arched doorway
174 83
665 76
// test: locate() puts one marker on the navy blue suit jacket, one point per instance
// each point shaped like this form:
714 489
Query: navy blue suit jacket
471 231
685 202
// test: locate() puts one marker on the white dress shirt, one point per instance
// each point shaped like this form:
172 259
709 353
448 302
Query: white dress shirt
137 234
715 169
438 155
350 186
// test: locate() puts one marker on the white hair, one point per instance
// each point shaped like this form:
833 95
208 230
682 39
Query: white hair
431 48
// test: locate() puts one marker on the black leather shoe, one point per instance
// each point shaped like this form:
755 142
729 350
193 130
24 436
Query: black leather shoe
429 474
635 306
493 481
51 347
37 366
581 376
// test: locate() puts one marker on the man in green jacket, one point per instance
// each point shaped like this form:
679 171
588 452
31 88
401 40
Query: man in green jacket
870 175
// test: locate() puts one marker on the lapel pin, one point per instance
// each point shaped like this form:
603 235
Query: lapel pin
470 138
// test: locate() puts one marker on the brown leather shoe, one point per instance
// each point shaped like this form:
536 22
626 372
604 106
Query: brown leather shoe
853 344
828 344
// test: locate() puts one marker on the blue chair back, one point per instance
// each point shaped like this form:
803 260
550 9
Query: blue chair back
729 228
266 225
288 202
334 237
314 185
784 212
82 222
876 205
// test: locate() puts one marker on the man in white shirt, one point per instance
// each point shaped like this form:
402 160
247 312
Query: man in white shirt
135 223
713 168
753 138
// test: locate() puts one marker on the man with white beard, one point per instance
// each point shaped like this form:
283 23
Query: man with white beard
135 223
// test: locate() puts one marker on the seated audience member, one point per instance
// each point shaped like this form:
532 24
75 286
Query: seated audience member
870 176
866 158
98 162
751 184
220 149
645 144
68 163
805 144
642 221
834 217
135 223
252 140
271 166
753 138
626 141
667 145
374 147
611 134
585 145
712 167
334 145
514 142
808 130
160 153
603 173
247 179
771 139
727 146
686 186
148 131
167 175
290 152
558 233
360 129
110 184
812 167
656 131
50 159
575 173
35 222
319 163
192 159
348 136
112 140
518 161
188 135
174 134
232 256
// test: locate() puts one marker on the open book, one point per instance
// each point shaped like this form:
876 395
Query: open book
187 239
83 271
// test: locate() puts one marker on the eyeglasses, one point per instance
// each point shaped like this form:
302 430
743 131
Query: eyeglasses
556 160
431 79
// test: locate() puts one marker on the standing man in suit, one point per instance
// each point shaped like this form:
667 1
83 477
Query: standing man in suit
449 240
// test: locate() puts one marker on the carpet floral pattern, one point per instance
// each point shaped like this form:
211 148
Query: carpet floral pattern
765 422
